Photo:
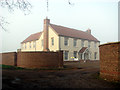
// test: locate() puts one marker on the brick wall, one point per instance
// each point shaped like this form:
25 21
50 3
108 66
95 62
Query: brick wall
33 59
40 59
9 58
110 61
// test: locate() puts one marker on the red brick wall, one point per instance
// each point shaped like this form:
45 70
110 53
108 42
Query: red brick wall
110 61
9 58
40 59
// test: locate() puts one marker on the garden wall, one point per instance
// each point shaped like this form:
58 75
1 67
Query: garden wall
110 61
34 59
9 58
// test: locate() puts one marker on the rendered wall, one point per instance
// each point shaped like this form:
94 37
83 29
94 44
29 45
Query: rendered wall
110 61
72 48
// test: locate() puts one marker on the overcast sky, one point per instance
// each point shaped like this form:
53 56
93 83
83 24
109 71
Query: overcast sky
101 16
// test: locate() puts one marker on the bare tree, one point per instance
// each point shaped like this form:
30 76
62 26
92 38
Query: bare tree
3 23
22 5
11 5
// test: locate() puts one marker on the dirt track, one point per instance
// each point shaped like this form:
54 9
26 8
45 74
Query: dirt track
85 77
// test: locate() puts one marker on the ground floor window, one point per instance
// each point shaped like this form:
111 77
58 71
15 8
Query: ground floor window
75 54
66 55
95 55
81 56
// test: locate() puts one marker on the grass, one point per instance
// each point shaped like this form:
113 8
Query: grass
10 67
20 68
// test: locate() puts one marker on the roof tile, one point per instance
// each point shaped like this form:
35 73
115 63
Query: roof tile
72 32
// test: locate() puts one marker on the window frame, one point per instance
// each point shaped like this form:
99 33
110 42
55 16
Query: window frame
34 44
74 42
66 41
52 41
25 46
95 55
75 52
29 44
82 43
42 43
89 44
66 53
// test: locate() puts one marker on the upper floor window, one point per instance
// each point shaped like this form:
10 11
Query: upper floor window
30 45
52 41
75 42
95 44
89 44
42 42
65 41
82 43
34 44
25 46
75 54
22 46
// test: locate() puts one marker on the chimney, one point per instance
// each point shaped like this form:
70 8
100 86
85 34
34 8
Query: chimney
88 31
45 31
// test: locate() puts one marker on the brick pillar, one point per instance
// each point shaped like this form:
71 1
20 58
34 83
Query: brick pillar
60 59
45 30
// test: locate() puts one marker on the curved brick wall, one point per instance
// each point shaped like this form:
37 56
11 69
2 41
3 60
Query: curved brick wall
110 61
39 59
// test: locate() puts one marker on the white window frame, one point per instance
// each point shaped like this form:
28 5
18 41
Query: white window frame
66 53
25 46
52 41
42 42
34 44
75 52
89 44
74 42
95 55
94 44
29 44
82 43
65 41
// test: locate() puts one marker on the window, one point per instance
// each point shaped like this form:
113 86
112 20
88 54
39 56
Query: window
52 41
65 41
66 55
95 55
34 44
88 44
42 42
95 44
25 46
30 45
82 43
81 56
75 42
75 54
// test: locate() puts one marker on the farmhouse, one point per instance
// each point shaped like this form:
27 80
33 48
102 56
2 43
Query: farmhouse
76 44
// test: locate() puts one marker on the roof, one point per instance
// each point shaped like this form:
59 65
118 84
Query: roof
82 49
64 31
32 37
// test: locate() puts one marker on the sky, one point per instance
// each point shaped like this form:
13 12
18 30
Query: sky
101 16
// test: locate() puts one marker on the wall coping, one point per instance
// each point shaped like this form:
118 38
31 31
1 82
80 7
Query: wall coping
110 43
